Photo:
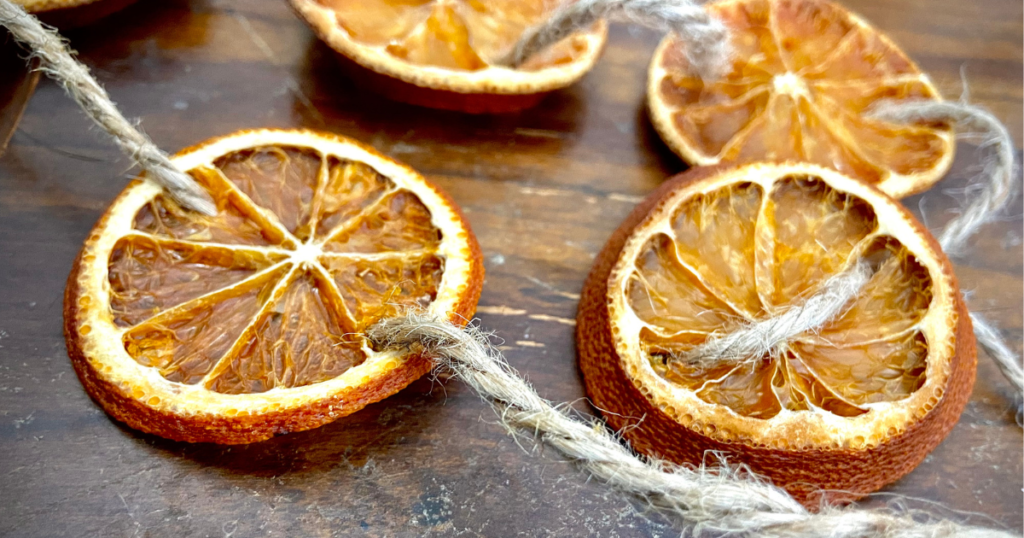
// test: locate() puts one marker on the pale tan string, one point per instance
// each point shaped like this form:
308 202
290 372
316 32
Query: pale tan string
992 191
706 38
59 63
711 497
751 342
715 497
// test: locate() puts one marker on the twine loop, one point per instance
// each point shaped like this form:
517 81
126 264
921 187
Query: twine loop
706 38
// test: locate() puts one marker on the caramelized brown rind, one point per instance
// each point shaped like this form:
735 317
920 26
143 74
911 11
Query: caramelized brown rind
812 476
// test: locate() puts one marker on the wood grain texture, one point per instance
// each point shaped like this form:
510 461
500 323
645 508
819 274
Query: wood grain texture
543 190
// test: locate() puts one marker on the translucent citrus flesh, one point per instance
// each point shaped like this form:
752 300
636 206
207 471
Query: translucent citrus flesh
803 78
304 253
466 35
738 255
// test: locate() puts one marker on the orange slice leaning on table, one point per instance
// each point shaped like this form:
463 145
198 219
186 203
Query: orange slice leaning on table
848 406
250 323
803 78
444 53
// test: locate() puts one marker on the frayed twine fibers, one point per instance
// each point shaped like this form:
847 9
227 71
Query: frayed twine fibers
748 344
57 62
706 38
720 497
712 497
715 497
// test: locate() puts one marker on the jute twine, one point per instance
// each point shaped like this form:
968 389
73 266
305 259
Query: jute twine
715 497
57 61
707 46
712 497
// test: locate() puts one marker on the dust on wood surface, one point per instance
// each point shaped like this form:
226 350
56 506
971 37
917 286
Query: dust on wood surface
543 190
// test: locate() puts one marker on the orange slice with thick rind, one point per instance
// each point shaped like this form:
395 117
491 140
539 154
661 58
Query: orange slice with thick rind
446 53
846 407
249 323
804 76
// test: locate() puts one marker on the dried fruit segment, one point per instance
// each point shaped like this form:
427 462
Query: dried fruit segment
378 23
669 296
715 235
805 75
297 341
147 276
184 344
815 231
690 340
892 302
442 40
234 223
252 320
280 180
377 288
746 389
350 187
399 222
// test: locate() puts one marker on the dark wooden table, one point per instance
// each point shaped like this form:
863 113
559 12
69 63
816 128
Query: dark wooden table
542 189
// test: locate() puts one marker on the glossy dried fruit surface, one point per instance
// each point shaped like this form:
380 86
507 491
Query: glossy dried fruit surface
454 34
314 240
848 406
452 45
723 254
739 255
804 75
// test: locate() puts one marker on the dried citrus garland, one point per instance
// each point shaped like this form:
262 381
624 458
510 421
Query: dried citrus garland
249 323
851 405
734 502
803 77
444 54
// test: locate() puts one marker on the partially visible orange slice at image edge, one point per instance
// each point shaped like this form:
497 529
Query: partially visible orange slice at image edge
442 54
831 414
250 324
804 76
70 14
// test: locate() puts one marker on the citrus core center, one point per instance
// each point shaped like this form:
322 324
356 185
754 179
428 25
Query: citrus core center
789 83
306 253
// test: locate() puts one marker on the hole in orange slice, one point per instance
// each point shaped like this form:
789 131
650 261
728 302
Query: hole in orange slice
849 406
247 324
803 77
442 53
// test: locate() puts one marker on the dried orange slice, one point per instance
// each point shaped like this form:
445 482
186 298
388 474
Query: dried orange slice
68 14
850 406
249 324
443 53
804 75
